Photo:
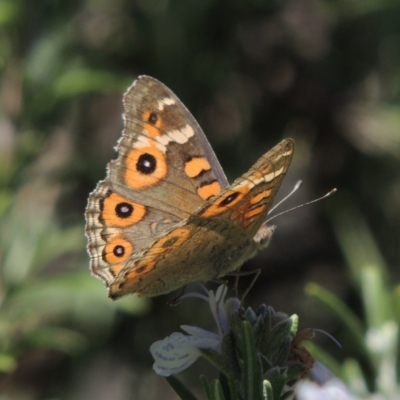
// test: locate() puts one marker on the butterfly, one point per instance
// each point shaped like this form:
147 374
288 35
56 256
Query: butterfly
166 215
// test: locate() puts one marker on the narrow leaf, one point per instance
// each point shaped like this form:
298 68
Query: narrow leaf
252 380
216 390
206 386
180 389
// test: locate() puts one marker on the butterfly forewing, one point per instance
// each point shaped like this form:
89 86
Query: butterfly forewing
248 200
164 158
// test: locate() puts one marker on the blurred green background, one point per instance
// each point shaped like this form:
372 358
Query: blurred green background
326 73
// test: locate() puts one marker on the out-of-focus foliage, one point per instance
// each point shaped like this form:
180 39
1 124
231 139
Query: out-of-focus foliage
370 368
326 73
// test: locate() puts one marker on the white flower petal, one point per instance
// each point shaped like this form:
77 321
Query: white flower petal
210 339
216 303
178 351
221 310
333 389
221 292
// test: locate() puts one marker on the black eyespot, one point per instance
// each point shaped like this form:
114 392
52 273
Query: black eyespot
170 242
119 251
153 117
146 164
124 210
229 199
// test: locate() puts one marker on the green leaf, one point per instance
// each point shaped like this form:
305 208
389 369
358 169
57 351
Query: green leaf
262 328
282 354
76 81
267 390
396 303
216 390
206 386
295 324
325 358
9 10
355 238
294 370
7 363
279 334
180 389
225 360
375 295
352 322
57 338
230 387
252 376
277 379
354 377
251 316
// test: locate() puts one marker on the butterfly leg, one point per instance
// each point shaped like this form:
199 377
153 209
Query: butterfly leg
220 281
177 299
237 274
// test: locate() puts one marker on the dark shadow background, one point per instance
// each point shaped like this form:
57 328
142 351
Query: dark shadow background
326 73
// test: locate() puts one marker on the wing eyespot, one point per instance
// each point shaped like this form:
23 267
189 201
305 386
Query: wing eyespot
227 200
141 269
153 118
124 210
146 164
170 242
119 251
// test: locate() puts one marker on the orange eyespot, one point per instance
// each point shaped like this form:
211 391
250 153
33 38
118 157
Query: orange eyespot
121 212
225 202
152 124
172 240
117 250
145 167
230 199
143 267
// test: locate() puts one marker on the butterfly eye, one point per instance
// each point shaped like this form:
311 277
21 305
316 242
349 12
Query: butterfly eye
124 210
146 163
153 118
229 199
119 251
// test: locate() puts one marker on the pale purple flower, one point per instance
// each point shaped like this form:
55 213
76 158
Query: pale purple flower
178 351
333 389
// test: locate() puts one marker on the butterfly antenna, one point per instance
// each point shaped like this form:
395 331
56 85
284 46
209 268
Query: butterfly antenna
298 184
329 336
296 187
309 333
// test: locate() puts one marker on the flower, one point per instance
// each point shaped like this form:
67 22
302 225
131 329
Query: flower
333 389
255 351
178 351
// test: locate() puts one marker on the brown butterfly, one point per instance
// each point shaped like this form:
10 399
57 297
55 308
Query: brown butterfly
165 215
